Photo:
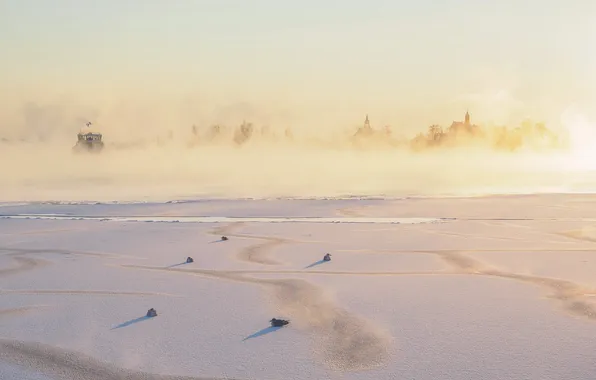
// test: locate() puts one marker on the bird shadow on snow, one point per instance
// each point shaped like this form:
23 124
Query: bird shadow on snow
315 264
131 322
262 332
216 241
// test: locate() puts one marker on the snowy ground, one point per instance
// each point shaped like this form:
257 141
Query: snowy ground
423 288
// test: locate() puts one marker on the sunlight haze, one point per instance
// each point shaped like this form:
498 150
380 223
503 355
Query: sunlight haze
152 70
275 189
409 63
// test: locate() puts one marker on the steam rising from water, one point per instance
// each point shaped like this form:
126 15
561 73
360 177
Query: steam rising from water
51 172
261 167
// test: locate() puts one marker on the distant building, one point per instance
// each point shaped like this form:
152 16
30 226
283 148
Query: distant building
465 127
88 140
367 123
365 130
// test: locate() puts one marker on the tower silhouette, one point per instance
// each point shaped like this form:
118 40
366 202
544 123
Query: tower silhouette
367 123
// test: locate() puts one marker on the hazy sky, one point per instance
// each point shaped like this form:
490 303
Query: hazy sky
406 63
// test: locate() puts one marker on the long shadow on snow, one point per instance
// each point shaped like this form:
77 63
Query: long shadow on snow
262 332
177 265
131 322
315 264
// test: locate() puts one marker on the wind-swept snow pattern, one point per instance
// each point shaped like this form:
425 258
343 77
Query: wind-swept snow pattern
425 289
23 264
67 365
343 340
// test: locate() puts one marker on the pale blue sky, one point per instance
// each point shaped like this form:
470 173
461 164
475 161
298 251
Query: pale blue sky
406 62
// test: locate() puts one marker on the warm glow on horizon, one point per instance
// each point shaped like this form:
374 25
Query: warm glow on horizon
145 72
582 143
310 65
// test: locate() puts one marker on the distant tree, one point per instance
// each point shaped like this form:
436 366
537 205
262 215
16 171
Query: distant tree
435 132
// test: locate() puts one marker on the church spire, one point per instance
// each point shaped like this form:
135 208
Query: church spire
467 120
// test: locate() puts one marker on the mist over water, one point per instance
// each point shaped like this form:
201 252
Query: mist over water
163 164
50 171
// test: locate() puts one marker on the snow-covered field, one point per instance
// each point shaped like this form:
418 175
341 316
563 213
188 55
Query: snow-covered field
499 287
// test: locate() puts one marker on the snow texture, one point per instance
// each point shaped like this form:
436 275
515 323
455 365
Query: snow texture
424 288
